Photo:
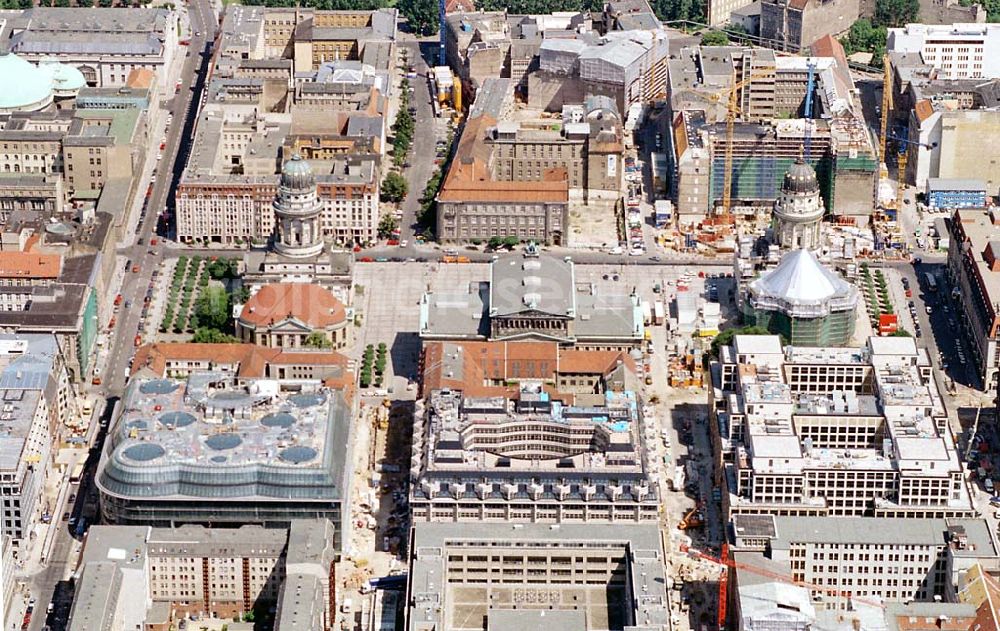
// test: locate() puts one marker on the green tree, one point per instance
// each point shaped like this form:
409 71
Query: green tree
511 242
394 187
386 226
222 268
494 243
864 37
896 13
992 8
317 339
901 333
714 38
422 15
241 295
213 336
212 308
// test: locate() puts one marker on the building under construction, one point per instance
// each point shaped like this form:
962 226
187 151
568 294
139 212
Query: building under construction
771 130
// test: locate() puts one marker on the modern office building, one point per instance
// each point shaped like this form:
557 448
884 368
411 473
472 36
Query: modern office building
105 44
950 194
36 408
532 456
974 271
956 51
218 450
765 596
801 300
835 432
534 296
771 132
141 577
901 560
531 576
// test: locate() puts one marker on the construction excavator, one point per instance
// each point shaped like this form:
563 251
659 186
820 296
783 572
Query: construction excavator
694 518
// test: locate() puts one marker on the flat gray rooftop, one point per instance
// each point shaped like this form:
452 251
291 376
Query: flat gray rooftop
434 599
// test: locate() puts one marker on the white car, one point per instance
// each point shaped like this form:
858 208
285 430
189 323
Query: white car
404 243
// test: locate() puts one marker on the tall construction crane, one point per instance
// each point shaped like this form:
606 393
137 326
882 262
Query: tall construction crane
732 109
728 563
807 111
886 106
902 156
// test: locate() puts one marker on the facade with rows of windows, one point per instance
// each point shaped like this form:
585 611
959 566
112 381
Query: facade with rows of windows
900 561
532 457
835 431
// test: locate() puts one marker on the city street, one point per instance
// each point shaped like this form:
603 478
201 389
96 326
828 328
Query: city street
144 258
424 137
51 584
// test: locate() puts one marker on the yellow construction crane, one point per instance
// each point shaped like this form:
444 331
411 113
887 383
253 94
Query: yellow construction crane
732 109
886 106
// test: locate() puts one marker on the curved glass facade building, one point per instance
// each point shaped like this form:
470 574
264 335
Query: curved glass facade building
216 451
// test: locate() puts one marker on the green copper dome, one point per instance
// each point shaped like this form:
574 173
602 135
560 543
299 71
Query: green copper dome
25 87
65 79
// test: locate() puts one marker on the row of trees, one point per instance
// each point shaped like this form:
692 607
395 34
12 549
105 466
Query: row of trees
427 215
422 15
402 129
373 364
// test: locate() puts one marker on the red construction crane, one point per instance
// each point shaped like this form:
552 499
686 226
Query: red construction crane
726 561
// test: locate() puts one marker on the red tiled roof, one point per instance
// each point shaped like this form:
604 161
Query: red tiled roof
592 362
470 179
311 304
140 78
485 363
923 110
29 265
252 359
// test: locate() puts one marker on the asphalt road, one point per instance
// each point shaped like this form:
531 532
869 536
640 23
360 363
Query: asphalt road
422 149
144 258
49 585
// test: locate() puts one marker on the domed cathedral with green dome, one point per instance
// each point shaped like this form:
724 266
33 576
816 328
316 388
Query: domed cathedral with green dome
31 88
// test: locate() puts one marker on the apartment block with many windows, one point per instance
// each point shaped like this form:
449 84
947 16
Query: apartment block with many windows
835 432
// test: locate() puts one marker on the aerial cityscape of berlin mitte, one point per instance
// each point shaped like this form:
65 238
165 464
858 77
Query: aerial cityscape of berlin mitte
500 315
